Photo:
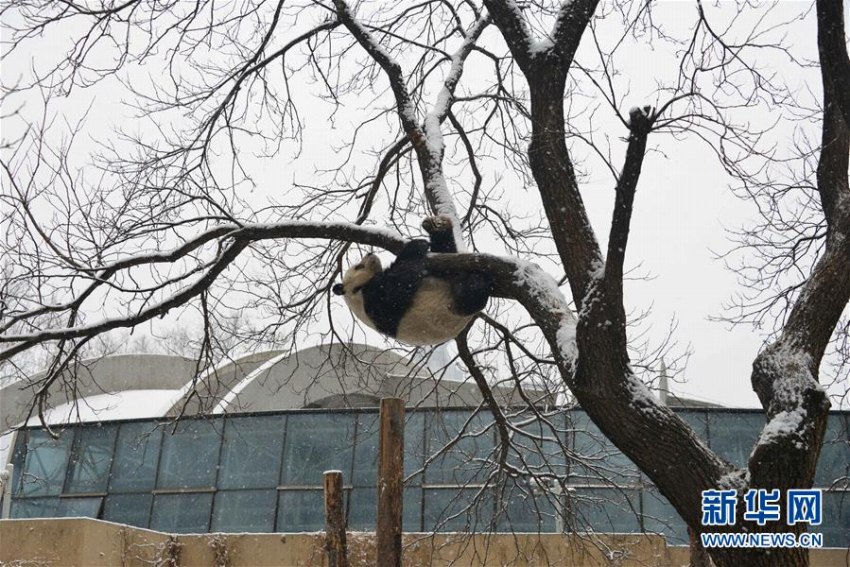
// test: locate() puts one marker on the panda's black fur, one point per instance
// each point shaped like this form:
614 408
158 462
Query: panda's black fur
407 301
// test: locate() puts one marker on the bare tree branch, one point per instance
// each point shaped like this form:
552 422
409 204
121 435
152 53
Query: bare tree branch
222 197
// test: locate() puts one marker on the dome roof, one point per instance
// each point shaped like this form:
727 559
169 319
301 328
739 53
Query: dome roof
129 386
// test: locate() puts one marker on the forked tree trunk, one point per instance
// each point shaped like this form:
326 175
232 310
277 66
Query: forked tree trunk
784 376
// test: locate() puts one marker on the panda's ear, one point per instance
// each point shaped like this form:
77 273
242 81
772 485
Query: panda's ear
372 263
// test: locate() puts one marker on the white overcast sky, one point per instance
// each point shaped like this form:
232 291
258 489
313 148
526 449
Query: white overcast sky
682 208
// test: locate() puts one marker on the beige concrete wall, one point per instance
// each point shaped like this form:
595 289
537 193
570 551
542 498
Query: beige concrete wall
93 543
79 542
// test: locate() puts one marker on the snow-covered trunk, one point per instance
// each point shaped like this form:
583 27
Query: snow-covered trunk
785 375
663 446
426 137
658 441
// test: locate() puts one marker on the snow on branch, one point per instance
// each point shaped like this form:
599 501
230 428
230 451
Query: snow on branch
640 125
427 138
437 190
511 22
444 99
782 426
546 298
562 42
539 294
573 18
784 379
406 110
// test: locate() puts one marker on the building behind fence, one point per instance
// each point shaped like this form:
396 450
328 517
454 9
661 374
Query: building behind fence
237 469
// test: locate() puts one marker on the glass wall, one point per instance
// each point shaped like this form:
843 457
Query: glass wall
263 472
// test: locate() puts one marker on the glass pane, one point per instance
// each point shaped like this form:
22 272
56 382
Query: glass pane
18 459
733 435
366 452
834 461
316 443
471 443
598 460
836 520
244 511
190 455
411 515
525 509
79 507
300 511
182 513
363 509
453 510
34 507
659 517
698 419
44 470
540 449
130 509
605 510
250 456
90 459
136 457
414 446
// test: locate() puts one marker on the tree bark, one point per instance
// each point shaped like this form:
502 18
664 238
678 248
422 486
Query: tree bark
335 540
390 481
784 375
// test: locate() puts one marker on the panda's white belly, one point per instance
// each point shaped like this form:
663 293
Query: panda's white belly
430 320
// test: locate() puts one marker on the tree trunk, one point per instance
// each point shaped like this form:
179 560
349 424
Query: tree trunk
335 540
390 481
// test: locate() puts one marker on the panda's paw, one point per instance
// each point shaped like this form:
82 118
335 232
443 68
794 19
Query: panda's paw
437 224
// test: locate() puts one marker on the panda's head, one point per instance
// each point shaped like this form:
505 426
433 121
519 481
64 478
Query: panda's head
357 276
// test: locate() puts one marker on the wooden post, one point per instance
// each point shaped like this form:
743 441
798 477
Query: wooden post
335 543
390 481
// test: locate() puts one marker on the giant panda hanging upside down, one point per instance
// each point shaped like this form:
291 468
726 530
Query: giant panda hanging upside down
409 302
